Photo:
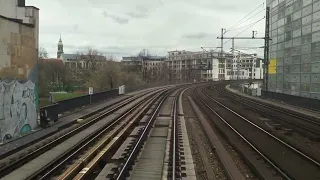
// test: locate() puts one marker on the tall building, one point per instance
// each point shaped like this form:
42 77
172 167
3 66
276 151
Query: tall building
60 48
191 66
294 64
149 66
241 65
206 66
19 34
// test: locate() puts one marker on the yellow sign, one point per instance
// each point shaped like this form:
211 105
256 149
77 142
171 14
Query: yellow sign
273 62
272 70
272 66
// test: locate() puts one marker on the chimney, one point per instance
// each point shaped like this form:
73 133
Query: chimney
21 3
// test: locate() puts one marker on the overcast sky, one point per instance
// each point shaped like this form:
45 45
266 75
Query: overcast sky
124 27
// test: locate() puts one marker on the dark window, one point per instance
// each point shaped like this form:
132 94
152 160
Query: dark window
21 3
288 19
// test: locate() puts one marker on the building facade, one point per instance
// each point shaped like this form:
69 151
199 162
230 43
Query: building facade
78 61
294 64
150 67
19 34
242 65
191 66
206 66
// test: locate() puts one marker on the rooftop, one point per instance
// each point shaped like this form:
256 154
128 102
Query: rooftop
20 21
146 58
73 57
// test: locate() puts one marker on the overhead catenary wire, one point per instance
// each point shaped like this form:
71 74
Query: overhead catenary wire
246 29
228 30
242 27
240 22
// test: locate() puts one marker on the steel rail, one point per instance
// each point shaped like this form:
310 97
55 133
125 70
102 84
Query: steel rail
82 145
266 132
175 134
135 150
283 174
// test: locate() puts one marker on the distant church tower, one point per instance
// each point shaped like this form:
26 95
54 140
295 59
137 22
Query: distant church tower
60 48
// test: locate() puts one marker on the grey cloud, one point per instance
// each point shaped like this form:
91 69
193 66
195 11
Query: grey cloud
117 19
200 35
142 9
163 24
137 15
140 12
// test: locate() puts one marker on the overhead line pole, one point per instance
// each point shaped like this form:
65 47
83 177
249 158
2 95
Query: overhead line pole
266 49
221 60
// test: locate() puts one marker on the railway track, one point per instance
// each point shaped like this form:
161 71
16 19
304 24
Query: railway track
49 159
157 150
307 126
260 148
45 139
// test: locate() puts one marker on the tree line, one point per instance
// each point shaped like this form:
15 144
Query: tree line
97 71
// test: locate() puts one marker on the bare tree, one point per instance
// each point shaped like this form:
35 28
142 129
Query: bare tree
106 76
43 54
52 73
87 62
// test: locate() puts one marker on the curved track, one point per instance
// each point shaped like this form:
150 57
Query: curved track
287 161
133 167
51 158
303 124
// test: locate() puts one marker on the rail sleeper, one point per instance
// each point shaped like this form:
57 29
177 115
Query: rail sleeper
186 159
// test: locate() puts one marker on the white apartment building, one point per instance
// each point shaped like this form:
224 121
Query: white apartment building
194 66
207 66
244 66
189 66
148 62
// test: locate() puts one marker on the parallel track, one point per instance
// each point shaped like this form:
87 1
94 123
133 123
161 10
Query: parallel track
85 147
50 169
307 126
127 165
270 156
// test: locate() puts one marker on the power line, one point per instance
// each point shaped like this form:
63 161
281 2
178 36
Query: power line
243 27
238 23
246 21
246 29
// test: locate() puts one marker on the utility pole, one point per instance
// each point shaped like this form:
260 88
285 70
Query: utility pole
222 32
233 38
232 72
238 65
266 46
221 55
266 49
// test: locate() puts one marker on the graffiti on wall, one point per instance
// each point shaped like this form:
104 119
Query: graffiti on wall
18 109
